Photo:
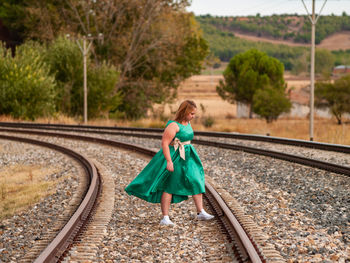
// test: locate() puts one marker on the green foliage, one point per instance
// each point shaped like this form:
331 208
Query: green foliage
225 47
269 103
324 61
27 89
293 27
248 72
335 96
102 98
296 59
154 44
208 121
66 63
342 57
13 14
39 81
252 77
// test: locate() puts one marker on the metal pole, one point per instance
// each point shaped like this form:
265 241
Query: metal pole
313 20
85 80
312 75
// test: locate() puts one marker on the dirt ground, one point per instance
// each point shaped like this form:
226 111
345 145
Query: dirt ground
336 41
202 89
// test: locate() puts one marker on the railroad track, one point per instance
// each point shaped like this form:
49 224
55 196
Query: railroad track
152 133
244 244
54 250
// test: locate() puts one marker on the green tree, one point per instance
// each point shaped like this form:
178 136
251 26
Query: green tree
27 89
269 103
334 96
324 61
154 43
248 72
65 61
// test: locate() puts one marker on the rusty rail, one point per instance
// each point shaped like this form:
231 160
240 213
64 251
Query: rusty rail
57 247
112 130
247 250
278 155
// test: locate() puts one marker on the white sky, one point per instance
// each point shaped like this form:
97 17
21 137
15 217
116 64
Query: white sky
265 7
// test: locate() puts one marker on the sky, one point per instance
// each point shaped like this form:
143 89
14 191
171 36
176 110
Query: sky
266 7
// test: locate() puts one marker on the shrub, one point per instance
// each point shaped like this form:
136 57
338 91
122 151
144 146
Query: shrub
26 86
208 121
66 63
102 99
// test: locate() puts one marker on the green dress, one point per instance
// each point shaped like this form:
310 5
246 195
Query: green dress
186 179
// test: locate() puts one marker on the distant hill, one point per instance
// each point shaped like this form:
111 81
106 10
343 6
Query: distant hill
278 36
292 28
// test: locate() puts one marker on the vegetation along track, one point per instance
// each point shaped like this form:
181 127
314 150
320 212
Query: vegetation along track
245 243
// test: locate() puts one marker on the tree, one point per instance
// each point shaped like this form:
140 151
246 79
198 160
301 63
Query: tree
269 103
335 96
155 44
324 61
27 89
248 72
65 62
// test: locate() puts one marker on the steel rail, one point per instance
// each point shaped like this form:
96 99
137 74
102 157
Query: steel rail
248 250
63 239
278 155
250 137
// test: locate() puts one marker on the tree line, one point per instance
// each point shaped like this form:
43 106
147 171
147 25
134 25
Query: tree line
288 27
225 45
148 48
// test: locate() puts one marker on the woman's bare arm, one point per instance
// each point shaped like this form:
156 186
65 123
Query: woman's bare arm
168 136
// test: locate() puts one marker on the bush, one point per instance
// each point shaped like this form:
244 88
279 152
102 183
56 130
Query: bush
27 89
208 121
66 63
101 97
269 103
65 60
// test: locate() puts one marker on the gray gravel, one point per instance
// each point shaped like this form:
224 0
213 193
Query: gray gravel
20 232
134 233
304 211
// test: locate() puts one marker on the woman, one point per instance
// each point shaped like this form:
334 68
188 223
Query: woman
176 171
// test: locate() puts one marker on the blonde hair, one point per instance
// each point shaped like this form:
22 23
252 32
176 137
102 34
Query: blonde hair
185 108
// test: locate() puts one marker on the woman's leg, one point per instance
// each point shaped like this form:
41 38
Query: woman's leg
165 203
198 201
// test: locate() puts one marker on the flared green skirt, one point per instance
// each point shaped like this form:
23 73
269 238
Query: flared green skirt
186 179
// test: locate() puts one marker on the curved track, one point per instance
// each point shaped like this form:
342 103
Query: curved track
56 248
136 132
244 246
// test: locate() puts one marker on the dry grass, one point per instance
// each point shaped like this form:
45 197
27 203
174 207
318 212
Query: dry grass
22 186
324 130
337 41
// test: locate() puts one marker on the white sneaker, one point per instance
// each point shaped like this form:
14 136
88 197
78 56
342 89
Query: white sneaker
166 221
204 216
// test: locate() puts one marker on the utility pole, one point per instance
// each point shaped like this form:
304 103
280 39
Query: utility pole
85 51
313 20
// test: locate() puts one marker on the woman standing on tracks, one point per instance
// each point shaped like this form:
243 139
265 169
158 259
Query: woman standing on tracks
176 171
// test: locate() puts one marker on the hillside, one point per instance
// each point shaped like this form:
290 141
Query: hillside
225 42
292 28
337 41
